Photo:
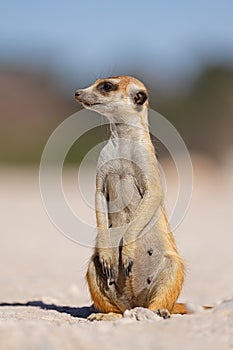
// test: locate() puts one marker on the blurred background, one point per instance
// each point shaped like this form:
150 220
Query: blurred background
183 52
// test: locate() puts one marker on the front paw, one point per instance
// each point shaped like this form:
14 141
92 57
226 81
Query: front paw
106 259
127 260
111 316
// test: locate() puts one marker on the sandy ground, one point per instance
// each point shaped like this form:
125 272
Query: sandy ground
44 300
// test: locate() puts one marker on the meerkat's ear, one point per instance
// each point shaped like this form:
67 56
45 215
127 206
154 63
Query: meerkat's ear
140 98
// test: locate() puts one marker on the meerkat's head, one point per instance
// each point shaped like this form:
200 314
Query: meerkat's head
118 98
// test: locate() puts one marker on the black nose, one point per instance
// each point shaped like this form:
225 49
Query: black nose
77 93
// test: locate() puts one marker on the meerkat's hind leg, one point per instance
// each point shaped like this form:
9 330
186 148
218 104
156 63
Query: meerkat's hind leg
111 316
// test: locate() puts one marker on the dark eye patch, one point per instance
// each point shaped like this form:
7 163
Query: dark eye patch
106 86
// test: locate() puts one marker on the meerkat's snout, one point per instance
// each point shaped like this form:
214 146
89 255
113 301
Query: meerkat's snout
86 98
77 94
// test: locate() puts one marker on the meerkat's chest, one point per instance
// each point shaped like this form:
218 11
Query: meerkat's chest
123 197
123 184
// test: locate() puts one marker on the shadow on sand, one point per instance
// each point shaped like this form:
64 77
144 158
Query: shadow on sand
81 312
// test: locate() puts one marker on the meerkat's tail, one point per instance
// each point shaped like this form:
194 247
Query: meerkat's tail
182 309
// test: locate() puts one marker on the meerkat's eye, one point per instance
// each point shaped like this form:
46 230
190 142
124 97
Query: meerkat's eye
106 87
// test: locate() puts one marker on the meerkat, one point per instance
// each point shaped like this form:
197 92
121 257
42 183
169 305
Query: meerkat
135 261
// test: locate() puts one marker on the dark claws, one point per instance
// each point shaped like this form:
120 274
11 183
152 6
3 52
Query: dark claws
128 269
103 269
164 313
109 273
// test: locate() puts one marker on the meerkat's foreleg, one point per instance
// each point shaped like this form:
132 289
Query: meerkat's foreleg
103 240
149 206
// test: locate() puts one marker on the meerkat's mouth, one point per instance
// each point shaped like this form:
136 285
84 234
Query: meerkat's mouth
89 104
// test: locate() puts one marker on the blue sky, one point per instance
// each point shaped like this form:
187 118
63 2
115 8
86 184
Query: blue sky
100 37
